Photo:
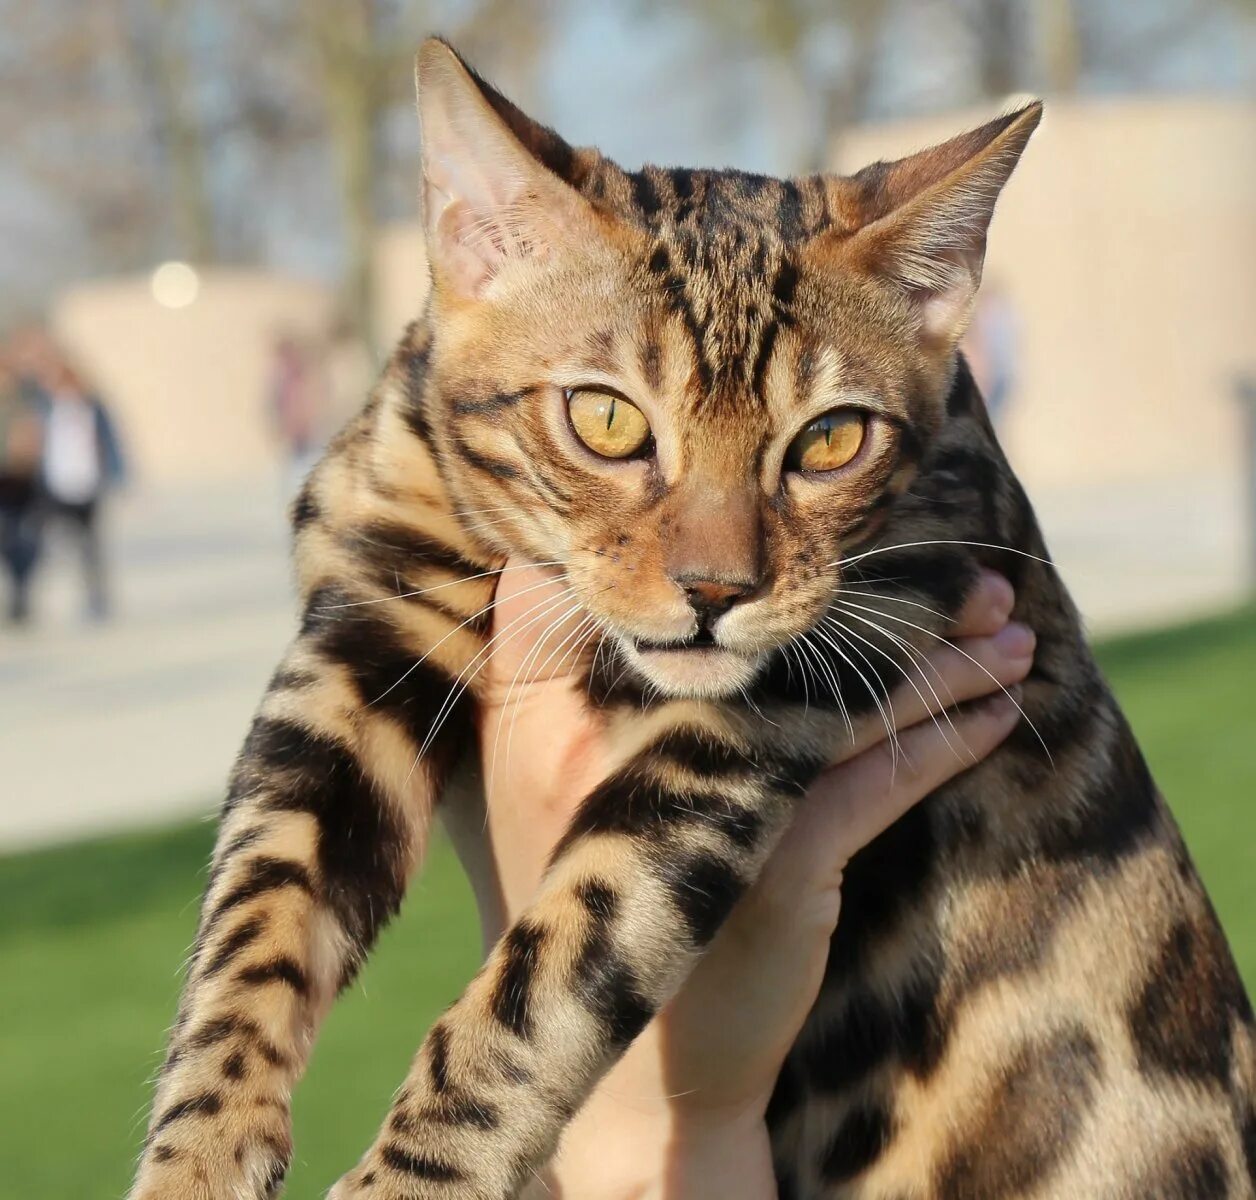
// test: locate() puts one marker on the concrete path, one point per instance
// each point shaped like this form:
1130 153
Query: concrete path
137 721
104 726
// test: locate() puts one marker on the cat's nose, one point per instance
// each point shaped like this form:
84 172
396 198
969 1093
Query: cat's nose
710 599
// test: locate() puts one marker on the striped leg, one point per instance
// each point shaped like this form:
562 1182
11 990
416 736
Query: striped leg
652 864
323 825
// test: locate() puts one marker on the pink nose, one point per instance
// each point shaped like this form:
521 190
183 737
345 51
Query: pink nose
710 599
708 593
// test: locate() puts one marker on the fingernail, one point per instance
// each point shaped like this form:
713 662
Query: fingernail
1002 598
1015 640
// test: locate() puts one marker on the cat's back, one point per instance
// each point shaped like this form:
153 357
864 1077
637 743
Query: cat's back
1035 1000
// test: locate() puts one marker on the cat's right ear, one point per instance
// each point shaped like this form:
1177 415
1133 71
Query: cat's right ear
489 200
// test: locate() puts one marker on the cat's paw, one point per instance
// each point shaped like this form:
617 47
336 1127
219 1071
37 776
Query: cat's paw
206 1173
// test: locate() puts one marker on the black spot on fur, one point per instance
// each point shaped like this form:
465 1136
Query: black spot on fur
1196 1172
640 807
206 1104
785 284
491 405
279 970
868 1031
1248 1137
1120 812
512 993
419 1166
393 549
604 982
881 882
463 1111
387 675
438 1058
485 463
645 195
305 508
864 1133
787 1094
262 874
1181 1021
767 343
789 211
243 935
361 848
1028 1123
704 889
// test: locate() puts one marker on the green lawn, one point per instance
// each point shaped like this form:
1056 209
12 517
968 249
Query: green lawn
92 936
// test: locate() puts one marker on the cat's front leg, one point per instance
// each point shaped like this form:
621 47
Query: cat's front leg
322 828
654 861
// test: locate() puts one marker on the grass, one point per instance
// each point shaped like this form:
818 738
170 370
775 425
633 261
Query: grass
93 934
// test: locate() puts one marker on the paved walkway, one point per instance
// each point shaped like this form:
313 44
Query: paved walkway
137 721
103 726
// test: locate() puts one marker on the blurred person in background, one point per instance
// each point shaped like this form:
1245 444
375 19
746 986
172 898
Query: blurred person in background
348 370
297 406
20 451
82 463
992 347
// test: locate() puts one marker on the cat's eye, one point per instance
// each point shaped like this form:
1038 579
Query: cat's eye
829 442
608 424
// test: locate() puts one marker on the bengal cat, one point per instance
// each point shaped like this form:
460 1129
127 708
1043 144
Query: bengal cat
731 411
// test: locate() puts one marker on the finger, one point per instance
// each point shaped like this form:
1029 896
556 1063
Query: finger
948 675
537 621
865 796
987 608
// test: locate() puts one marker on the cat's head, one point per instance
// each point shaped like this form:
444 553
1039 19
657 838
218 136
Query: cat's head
694 390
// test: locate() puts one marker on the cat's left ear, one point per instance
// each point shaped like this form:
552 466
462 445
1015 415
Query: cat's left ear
921 222
492 191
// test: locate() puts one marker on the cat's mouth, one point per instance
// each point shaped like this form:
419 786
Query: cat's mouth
702 640
697 666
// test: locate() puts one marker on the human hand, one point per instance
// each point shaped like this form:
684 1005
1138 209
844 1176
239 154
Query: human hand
682 1112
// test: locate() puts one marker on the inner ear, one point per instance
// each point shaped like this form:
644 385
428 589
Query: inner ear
921 223
488 199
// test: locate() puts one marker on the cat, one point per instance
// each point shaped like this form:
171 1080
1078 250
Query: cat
732 409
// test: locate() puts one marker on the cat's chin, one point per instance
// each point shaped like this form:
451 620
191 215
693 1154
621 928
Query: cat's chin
706 672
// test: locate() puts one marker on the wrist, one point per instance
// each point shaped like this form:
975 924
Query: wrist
613 1152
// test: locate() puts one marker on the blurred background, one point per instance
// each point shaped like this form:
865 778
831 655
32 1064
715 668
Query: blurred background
207 209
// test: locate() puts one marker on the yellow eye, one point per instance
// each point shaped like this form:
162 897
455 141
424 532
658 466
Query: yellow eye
829 442
608 425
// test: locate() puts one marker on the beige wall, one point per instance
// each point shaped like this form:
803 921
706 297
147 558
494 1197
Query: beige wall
189 384
1127 242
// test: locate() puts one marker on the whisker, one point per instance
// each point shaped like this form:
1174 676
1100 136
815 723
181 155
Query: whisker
826 667
572 635
929 632
439 586
846 631
414 666
847 591
919 660
488 649
886 719
939 542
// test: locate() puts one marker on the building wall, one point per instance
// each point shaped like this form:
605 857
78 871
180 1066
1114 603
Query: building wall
1126 241
189 385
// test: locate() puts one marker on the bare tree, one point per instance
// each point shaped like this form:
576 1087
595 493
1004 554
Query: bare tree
365 51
